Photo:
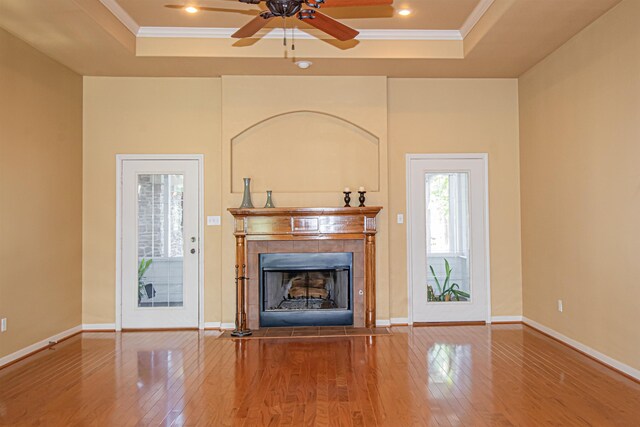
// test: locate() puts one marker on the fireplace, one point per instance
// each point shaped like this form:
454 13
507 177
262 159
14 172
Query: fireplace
348 232
306 289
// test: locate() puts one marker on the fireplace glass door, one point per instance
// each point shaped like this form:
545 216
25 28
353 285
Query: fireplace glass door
306 289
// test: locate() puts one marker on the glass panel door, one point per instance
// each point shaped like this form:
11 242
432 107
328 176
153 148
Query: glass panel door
448 262
160 248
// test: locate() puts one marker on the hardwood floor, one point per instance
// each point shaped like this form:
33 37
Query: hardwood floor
500 375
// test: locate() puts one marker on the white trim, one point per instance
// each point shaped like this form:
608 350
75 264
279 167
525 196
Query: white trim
475 17
633 372
118 322
400 321
212 325
120 158
98 326
201 225
38 346
227 326
407 220
487 237
121 15
503 319
277 33
381 323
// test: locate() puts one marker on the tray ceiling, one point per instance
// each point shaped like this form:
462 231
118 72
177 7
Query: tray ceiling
442 38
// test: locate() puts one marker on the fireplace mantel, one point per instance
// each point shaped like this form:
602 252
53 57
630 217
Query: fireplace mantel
308 224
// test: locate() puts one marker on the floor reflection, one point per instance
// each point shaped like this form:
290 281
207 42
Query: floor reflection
158 366
445 363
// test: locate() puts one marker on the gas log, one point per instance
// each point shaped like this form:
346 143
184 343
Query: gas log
308 285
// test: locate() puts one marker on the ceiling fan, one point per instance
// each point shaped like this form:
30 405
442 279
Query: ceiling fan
304 10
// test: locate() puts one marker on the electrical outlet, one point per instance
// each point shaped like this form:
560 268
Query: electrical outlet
560 308
3 325
400 219
213 220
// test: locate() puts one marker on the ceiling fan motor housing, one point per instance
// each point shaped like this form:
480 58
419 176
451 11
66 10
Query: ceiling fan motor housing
284 8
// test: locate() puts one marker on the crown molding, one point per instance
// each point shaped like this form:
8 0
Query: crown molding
277 33
475 16
218 33
122 15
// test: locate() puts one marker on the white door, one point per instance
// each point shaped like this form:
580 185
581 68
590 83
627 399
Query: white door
448 236
160 261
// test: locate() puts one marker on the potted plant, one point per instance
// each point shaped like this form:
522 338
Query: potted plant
447 291
142 269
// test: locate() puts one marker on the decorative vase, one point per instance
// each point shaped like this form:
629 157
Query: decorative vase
269 203
246 198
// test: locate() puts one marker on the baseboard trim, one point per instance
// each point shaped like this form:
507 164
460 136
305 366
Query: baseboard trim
212 325
498 320
98 327
19 355
383 323
609 362
227 326
400 321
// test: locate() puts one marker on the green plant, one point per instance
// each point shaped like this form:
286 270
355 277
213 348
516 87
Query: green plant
142 269
446 291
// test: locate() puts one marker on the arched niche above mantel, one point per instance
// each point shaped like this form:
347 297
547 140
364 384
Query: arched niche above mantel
305 151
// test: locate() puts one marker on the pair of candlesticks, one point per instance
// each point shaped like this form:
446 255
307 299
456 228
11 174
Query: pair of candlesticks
347 197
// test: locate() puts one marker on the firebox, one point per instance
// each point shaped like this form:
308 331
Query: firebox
306 289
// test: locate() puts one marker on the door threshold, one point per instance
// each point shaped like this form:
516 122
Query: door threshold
158 329
465 323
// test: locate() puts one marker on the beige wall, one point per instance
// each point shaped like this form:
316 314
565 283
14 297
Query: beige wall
128 115
144 116
459 116
580 152
40 195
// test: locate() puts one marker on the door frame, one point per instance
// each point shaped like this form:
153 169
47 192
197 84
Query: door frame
120 159
456 156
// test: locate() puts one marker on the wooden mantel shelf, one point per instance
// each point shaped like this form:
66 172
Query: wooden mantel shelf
320 223
305 223
371 210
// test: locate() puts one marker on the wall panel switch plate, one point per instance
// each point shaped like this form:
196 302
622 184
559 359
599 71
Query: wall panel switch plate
3 325
560 308
213 220
400 219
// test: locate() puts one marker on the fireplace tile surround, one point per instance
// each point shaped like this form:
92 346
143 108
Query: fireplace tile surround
306 230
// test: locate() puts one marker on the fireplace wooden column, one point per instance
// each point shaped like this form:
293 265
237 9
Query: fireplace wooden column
308 224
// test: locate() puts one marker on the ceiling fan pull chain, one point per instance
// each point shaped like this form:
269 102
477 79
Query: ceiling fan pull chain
284 30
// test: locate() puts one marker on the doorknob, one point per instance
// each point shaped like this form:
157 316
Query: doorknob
193 251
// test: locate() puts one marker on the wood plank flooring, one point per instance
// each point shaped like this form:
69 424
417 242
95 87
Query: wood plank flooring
501 375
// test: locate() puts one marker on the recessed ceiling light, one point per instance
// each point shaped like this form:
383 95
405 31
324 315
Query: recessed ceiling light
304 64
191 9
404 12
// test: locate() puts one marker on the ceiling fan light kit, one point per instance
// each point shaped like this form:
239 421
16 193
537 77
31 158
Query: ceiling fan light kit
306 11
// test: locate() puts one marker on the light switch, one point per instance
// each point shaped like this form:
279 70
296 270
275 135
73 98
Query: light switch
213 220
400 219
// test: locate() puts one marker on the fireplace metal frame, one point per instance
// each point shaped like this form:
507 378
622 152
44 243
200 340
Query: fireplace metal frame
306 262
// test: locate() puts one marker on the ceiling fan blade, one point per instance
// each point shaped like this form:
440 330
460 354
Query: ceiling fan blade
347 3
328 25
255 25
